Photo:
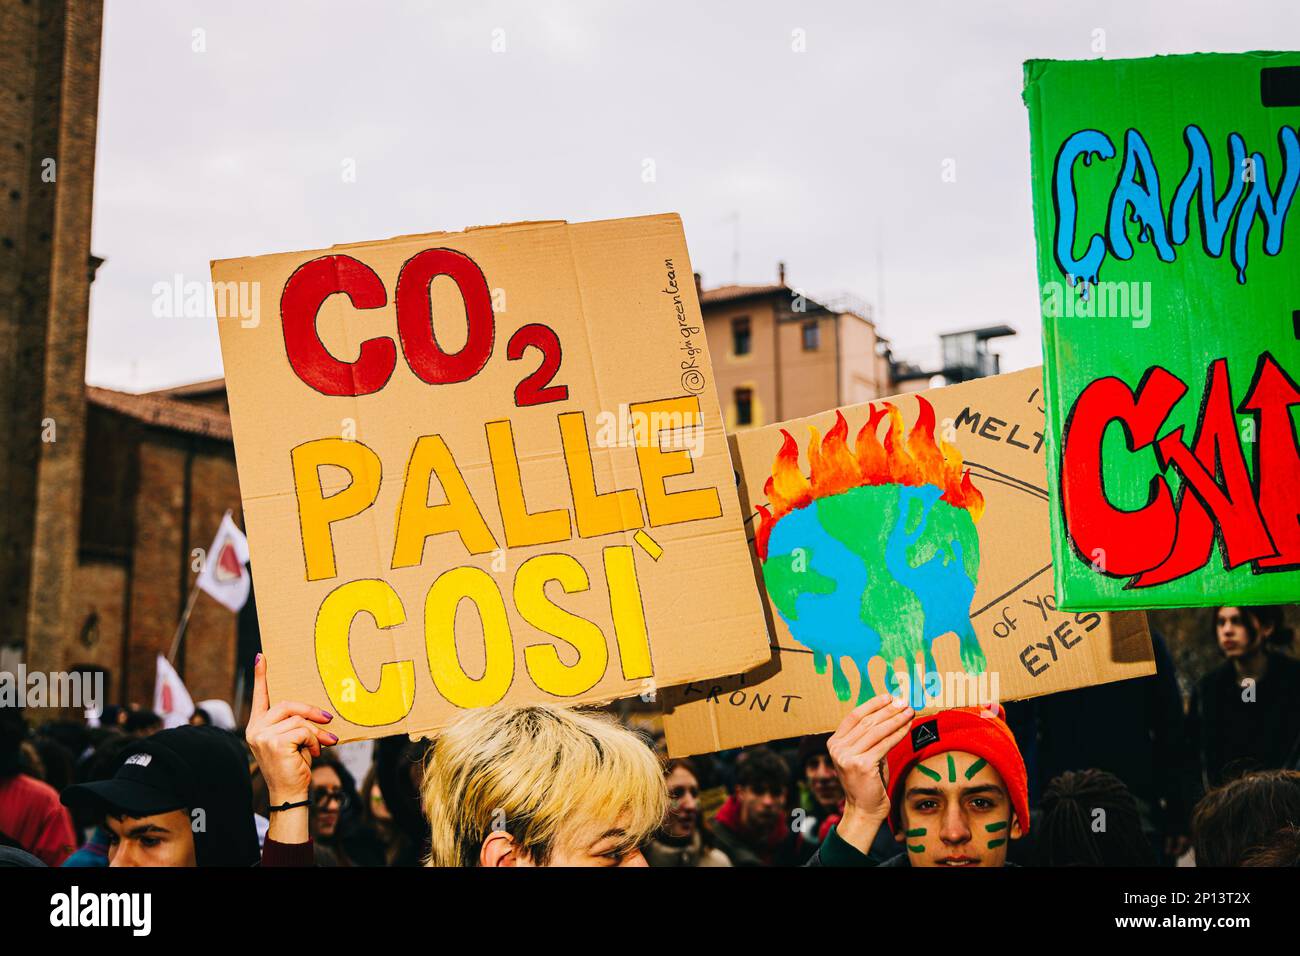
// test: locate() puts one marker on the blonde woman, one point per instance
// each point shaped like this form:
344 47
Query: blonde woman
540 786
510 786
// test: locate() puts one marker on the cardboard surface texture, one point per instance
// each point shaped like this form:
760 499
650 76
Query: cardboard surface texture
485 467
1162 191
916 553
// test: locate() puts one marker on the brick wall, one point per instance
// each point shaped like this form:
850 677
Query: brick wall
143 518
49 92
209 646
97 616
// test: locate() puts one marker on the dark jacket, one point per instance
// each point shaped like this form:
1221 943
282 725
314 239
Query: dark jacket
1131 728
834 851
1230 736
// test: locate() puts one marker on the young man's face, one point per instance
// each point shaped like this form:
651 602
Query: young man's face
1234 638
823 781
956 812
761 806
164 839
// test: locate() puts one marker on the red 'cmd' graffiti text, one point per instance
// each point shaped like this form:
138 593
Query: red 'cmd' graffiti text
1256 520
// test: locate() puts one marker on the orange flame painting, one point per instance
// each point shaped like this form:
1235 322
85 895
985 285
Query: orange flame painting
914 460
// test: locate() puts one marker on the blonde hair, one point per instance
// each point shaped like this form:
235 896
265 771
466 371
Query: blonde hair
539 773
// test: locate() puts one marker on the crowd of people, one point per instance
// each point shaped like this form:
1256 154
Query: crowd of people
1121 774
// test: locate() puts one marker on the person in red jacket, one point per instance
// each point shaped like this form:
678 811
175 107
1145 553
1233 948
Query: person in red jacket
31 816
753 827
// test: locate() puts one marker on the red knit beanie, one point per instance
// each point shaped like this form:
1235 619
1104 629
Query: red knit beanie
973 730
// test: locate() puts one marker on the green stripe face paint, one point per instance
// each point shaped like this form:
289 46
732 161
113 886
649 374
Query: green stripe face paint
994 828
918 832
957 806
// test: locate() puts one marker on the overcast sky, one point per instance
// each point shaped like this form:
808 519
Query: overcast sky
460 114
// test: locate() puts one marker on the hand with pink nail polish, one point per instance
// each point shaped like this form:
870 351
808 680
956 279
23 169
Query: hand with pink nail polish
284 738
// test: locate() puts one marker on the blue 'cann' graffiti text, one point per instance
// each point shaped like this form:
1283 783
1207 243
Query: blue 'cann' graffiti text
1245 199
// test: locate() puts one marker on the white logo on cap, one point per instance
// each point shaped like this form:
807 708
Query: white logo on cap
140 760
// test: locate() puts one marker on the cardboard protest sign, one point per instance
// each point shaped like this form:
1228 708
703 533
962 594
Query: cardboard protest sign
903 546
485 467
1162 189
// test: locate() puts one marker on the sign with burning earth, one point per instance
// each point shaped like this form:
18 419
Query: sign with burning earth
903 546
875 552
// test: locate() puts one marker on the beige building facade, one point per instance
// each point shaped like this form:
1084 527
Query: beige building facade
779 355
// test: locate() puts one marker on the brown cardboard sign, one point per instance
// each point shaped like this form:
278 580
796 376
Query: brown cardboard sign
485 467
903 546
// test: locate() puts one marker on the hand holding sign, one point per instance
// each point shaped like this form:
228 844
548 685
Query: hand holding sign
284 738
858 749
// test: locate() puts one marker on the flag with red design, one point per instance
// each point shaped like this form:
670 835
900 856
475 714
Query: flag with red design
171 701
225 572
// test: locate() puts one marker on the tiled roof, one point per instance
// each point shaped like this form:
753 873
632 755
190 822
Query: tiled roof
727 293
193 389
162 412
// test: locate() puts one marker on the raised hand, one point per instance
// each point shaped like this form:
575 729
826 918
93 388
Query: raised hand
284 738
859 748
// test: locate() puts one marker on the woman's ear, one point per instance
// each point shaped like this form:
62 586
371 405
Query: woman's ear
499 849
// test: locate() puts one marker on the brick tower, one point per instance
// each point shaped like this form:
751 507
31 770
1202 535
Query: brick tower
49 92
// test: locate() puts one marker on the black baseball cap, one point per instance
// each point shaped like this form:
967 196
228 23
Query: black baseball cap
185 768
150 779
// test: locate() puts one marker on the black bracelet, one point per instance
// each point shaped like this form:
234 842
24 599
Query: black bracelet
288 806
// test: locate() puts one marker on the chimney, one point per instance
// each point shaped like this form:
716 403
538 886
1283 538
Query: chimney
780 273
699 285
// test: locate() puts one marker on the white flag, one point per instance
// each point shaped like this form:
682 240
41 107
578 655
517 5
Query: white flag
224 575
171 701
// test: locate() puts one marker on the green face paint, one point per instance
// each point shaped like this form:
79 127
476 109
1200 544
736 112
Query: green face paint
994 844
916 849
919 831
952 769
995 827
928 772
976 767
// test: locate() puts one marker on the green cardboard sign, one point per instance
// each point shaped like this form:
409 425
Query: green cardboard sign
1164 191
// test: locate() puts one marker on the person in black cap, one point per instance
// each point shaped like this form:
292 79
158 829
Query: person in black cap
181 797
